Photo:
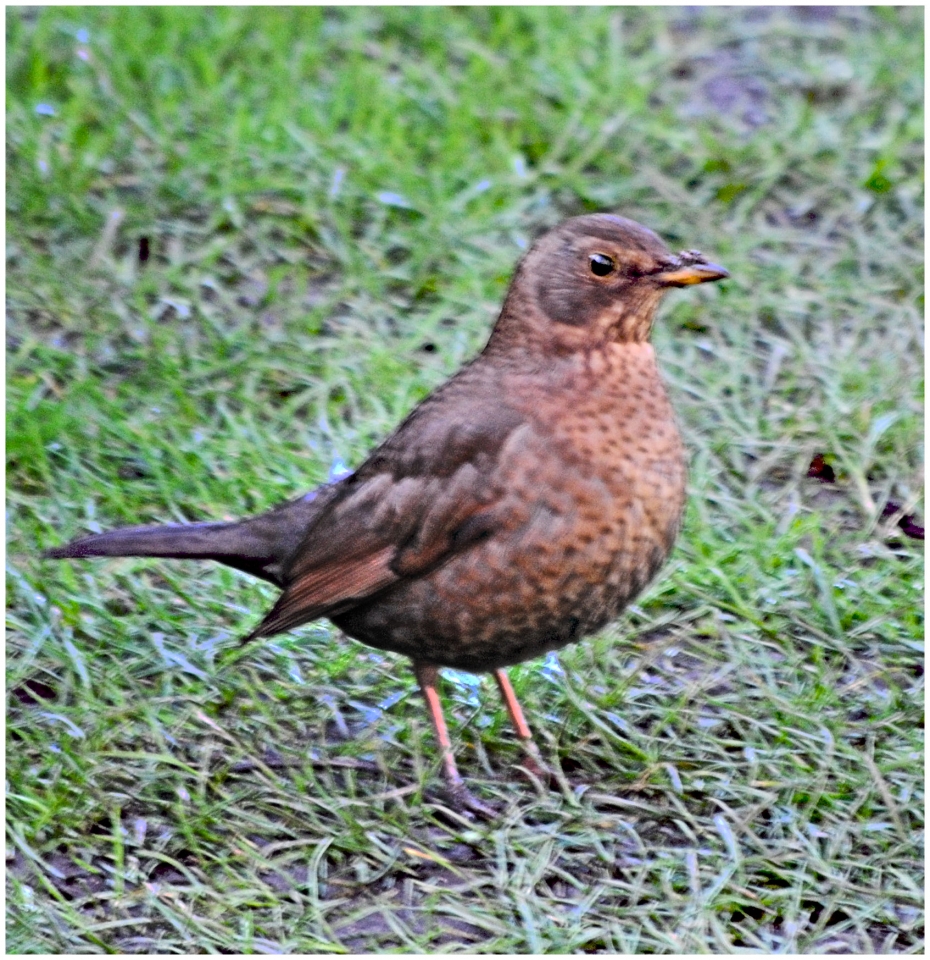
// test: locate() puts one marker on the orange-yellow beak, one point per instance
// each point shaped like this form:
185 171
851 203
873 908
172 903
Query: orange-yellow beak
698 271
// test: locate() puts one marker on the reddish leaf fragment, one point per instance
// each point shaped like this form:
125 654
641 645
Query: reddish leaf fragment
907 523
821 470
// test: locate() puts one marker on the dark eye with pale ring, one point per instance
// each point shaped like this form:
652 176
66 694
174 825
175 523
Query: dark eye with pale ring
602 265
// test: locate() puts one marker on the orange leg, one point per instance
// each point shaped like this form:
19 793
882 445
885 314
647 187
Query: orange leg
428 678
534 762
513 705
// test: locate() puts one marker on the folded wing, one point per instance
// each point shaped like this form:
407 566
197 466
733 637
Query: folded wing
421 497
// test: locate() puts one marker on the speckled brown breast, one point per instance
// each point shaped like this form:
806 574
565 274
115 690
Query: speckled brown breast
591 494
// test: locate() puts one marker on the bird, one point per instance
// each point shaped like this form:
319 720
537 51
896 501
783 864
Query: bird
517 509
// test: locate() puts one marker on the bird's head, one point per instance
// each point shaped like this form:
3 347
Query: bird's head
596 279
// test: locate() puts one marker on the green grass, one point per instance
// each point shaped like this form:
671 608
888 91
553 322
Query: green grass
334 200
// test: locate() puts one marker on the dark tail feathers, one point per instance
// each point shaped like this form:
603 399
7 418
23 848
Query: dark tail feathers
260 545
227 543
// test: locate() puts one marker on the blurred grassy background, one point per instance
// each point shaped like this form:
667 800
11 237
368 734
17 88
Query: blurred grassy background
241 244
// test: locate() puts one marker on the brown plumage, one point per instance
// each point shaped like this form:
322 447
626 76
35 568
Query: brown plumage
518 508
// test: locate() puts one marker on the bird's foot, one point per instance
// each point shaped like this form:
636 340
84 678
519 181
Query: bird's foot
463 800
535 767
537 770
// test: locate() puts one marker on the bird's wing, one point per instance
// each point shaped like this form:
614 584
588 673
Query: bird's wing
428 492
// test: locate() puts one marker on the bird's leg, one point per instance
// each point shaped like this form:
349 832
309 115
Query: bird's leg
534 761
428 678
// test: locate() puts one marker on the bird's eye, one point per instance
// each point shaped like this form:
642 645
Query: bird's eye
602 265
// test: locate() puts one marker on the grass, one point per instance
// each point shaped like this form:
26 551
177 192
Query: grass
333 200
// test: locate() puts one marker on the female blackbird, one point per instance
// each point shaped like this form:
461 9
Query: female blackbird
518 508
